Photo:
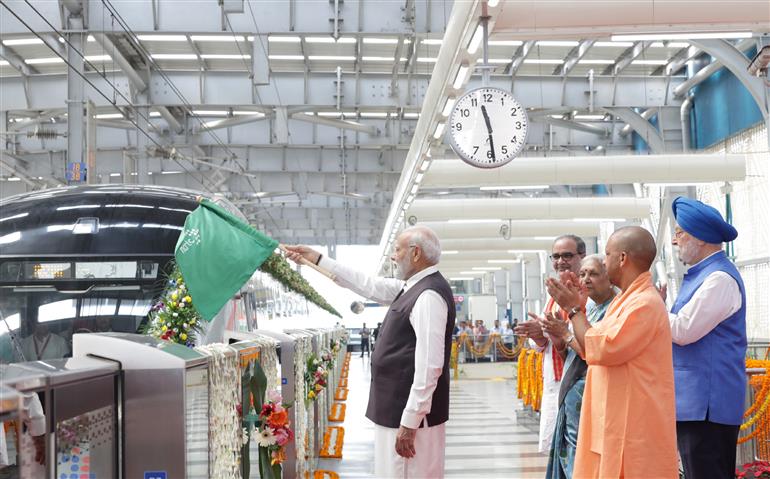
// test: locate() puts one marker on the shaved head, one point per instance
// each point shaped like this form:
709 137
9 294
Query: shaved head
637 243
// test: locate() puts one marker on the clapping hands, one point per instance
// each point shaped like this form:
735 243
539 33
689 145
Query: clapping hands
566 291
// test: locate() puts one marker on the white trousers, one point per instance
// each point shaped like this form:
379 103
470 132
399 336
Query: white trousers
428 462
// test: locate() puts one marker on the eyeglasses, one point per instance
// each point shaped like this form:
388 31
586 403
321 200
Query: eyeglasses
678 233
564 256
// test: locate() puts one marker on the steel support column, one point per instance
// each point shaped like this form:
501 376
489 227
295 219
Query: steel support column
75 96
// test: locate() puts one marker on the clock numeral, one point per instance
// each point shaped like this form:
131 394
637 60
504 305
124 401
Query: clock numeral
514 111
465 113
504 149
459 126
515 139
475 150
502 100
474 102
518 125
487 97
489 154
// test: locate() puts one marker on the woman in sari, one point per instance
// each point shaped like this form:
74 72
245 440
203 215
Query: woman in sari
596 285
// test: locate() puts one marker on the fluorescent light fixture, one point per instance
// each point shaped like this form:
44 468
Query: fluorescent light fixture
499 61
248 113
411 115
544 61
503 261
461 278
98 58
13 178
426 60
425 165
336 58
471 272
210 112
22 41
114 175
286 57
588 117
174 56
487 268
380 41
330 40
419 177
649 62
505 43
594 220
635 37
685 183
374 114
218 56
414 189
43 61
108 116
596 61
171 172
451 251
473 221
462 72
450 103
283 39
475 42
522 187
378 59
439 131
217 38
4 63
614 44
520 251
432 41
162 38
154 114
557 43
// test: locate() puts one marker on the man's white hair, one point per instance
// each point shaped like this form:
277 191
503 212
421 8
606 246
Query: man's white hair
427 240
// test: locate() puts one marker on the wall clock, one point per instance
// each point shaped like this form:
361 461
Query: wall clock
487 127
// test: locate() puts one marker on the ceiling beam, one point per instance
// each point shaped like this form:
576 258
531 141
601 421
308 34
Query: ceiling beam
574 57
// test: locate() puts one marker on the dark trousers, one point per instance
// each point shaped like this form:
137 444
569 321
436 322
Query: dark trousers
364 346
707 449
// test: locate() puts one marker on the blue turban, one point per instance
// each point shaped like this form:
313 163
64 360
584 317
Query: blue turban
702 221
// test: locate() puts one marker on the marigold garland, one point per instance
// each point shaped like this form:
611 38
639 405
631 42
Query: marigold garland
757 416
493 340
337 413
323 474
326 448
341 394
529 381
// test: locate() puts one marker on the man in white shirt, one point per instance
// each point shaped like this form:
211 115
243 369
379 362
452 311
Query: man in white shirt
409 391
43 344
708 328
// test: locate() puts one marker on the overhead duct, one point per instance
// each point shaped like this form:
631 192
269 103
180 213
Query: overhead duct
508 229
528 209
589 170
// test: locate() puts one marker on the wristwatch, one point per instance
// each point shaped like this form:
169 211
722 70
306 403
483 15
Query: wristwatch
574 311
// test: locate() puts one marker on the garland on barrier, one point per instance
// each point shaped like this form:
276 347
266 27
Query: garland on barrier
483 349
316 376
529 380
757 416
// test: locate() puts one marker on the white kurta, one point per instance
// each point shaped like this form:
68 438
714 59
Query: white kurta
428 318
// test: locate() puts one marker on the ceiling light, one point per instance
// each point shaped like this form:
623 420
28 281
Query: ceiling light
338 58
557 43
596 61
635 37
499 61
594 220
439 131
248 113
425 165
43 61
450 103
115 174
432 41
419 177
474 221
544 61
162 38
170 172
649 62
22 41
504 43
685 183
13 178
286 57
521 187
451 251
487 268
154 114
98 58
614 44
4 63
426 60
377 59
380 41
459 81
471 272
374 114
174 56
544 238
411 115
503 261
588 117
409 199
108 116
330 40
210 112
217 38
475 42
461 278
283 39
518 251
209 56
414 189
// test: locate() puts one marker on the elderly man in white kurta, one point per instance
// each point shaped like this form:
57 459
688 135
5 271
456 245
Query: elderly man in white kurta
409 392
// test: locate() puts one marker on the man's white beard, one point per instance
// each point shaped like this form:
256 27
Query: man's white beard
399 271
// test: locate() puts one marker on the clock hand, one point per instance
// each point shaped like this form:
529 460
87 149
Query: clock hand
489 129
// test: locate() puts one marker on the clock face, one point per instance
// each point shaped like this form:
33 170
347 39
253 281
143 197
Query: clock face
487 127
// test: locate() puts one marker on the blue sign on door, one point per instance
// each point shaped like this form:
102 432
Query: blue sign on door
155 475
284 381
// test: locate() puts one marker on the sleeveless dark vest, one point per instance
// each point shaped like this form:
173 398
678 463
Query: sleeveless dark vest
393 359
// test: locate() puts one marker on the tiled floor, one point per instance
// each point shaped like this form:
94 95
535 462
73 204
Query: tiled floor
484 438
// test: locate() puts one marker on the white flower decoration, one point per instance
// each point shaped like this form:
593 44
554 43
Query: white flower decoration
266 437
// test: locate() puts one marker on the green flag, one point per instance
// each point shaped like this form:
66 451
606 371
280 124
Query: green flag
217 253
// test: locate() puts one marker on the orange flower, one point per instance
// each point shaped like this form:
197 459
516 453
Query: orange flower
278 419
278 457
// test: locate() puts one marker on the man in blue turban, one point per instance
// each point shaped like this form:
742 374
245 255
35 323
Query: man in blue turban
708 328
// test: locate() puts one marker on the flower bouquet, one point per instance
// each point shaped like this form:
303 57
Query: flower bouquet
316 375
173 317
756 469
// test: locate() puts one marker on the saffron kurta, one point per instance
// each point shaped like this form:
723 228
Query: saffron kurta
628 417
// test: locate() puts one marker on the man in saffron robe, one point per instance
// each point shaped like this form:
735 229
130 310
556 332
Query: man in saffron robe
628 418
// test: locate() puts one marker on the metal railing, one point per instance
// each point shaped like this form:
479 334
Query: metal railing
488 347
